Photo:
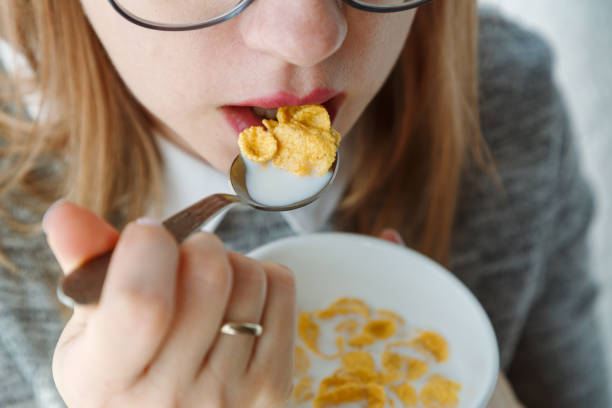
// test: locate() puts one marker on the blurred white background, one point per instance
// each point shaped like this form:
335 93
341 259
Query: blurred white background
581 35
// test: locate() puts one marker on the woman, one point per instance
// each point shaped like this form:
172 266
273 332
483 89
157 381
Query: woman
458 141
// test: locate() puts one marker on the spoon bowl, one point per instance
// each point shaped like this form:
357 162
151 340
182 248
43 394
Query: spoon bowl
238 172
84 285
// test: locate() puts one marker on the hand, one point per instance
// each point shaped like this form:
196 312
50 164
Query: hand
503 396
154 340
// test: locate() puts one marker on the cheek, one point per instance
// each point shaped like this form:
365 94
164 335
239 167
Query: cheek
374 43
164 70
168 72
378 41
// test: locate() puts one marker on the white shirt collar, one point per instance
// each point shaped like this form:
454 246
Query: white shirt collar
188 179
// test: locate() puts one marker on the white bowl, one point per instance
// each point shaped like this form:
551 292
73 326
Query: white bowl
328 266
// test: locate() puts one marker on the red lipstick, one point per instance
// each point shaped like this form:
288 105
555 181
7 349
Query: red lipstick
240 116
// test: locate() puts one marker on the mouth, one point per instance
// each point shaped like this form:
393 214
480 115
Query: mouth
249 113
265 113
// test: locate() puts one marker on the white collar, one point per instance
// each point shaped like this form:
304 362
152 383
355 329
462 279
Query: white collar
188 179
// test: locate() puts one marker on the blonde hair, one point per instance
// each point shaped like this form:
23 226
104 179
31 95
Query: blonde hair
102 134
92 123
430 106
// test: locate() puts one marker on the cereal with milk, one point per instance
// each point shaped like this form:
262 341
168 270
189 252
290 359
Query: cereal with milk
366 364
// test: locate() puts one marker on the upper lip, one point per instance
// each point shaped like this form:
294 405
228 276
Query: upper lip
283 98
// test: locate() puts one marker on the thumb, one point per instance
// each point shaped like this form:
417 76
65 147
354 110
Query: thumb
390 234
76 235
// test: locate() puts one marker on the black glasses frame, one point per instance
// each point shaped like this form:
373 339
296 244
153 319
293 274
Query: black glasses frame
242 5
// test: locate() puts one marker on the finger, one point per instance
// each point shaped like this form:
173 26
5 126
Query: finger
390 234
135 309
230 354
204 285
273 354
76 235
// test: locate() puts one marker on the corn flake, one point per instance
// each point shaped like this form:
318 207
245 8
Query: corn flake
308 331
374 394
380 329
302 362
303 390
361 340
257 144
440 393
358 360
391 362
344 306
392 315
415 368
349 326
300 141
406 393
432 343
411 368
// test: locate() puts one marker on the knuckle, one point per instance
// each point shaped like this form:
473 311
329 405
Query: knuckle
203 239
217 275
250 270
144 247
275 394
152 310
204 263
281 276
138 234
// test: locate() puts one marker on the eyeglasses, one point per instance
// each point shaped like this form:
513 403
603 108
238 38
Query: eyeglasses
184 15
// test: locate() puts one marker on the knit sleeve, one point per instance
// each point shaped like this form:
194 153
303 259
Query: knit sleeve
30 321
560 359
14 390
29 328
523 250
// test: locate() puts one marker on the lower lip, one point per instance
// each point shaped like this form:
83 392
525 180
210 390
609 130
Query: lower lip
242 117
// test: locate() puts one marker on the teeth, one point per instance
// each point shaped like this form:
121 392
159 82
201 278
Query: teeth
265 113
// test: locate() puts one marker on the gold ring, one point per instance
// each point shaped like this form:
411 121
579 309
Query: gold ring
233 328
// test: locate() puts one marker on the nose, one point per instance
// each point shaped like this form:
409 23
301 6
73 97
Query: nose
301 32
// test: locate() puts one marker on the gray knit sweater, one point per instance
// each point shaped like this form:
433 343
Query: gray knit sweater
522 252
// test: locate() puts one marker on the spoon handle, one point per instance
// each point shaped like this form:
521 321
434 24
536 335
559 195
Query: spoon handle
84 285
184 222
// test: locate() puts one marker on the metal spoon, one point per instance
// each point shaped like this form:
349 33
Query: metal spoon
84 285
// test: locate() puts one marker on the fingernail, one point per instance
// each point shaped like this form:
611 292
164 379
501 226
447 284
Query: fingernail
52 206
149 222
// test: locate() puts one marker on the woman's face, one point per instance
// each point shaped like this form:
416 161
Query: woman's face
202 84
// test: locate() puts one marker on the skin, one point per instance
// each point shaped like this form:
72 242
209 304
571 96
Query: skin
297 46
148 341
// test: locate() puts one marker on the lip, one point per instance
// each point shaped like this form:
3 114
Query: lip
240 116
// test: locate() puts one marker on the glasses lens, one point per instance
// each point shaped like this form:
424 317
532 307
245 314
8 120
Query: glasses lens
389 3
177 11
